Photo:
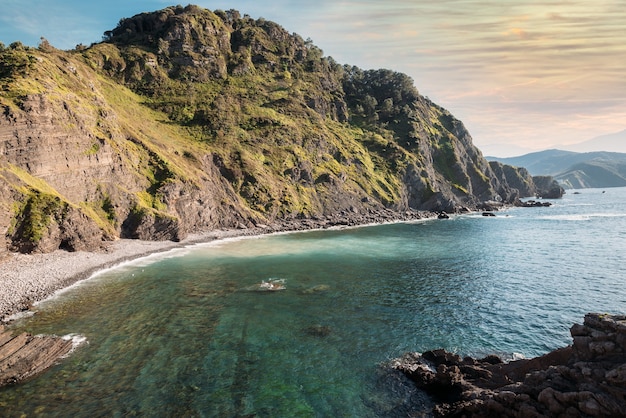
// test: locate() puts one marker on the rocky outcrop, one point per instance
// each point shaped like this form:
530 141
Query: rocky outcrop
548 187
25 356
514 179
586 379
533 204
519 181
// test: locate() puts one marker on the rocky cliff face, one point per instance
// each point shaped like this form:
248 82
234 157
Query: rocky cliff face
518 181
189 120
76 171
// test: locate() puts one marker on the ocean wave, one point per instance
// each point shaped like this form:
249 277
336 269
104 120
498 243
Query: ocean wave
77 341
581 217
19 316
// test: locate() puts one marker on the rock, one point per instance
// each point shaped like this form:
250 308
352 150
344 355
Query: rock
534 204
318 330
24 356
548 187
617 376
316 289
585 379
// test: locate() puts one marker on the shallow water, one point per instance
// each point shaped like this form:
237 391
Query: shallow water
183 334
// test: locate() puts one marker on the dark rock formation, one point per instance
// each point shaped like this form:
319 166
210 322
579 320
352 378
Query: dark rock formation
548 187
586 379
24 356
519 181
533 204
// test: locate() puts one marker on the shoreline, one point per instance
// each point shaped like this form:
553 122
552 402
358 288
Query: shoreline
26 279
585 378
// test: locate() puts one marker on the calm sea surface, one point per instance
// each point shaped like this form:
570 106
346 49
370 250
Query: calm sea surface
183 334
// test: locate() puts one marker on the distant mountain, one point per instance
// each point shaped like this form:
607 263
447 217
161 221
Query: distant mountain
594 173
615 142
543 163
574 170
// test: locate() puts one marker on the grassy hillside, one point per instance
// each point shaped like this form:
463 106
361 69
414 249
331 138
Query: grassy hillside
186 119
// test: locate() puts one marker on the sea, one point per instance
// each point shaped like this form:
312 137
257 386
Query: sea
194 332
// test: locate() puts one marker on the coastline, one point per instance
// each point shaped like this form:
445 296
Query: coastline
585 378
26 279
29 278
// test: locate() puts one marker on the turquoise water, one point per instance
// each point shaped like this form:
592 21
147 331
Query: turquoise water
183 334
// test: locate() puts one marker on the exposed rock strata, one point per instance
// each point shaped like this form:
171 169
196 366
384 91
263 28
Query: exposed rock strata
586 379
548 187
24 356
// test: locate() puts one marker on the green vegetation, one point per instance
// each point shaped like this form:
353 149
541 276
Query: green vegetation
35 215
173 97
270 121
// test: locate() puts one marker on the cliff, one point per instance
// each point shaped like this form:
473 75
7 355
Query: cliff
190 120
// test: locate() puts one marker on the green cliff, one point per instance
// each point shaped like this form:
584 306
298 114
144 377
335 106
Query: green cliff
186 120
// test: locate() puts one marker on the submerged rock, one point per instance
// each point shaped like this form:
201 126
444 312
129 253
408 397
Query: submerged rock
586 379
271 285
318 330
316 289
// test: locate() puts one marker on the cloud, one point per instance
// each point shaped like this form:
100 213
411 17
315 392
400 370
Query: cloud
518 32
525 69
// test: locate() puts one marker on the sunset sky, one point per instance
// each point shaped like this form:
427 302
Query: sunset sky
529 74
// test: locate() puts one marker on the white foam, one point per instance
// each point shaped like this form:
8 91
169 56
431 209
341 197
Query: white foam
582 216
566 218
131 264
19 315
77 341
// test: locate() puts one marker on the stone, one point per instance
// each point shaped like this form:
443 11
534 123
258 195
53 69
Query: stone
24 356
585 379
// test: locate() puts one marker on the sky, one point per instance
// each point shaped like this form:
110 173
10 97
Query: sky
522 75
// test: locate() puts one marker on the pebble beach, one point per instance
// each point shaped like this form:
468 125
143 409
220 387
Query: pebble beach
28 278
